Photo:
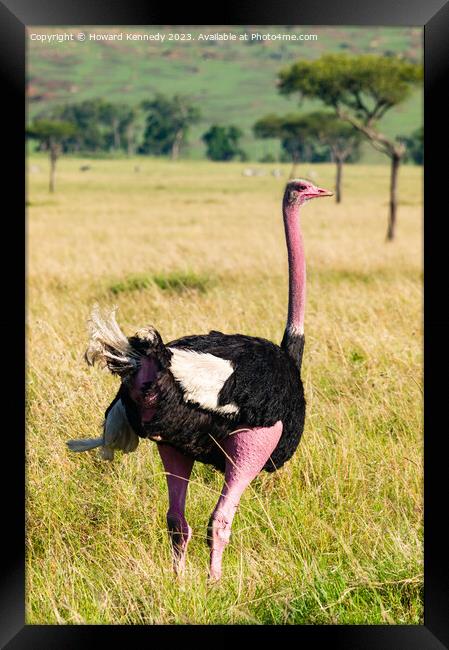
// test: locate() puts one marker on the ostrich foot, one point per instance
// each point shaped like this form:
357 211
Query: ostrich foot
218 535
180 535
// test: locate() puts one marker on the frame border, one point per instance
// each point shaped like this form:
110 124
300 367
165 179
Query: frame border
433 15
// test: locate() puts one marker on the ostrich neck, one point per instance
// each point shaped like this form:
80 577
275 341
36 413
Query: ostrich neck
296 270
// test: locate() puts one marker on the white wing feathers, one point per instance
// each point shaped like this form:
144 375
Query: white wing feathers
202 376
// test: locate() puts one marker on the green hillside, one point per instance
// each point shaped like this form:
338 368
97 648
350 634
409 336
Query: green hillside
233 82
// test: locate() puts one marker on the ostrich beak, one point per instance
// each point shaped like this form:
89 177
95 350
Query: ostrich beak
318 191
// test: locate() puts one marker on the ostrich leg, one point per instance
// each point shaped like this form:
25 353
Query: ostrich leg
247 451
178 468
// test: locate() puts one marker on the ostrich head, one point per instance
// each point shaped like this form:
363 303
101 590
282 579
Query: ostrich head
300 190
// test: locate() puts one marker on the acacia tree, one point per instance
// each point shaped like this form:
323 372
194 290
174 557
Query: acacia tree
167 124
360 89
51 135
295 135
342 139
101 125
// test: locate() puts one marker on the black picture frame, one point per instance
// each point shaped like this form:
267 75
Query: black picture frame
433 15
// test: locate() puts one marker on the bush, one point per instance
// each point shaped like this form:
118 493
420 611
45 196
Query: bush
268 158
222 143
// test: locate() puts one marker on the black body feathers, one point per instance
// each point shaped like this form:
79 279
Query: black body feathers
265 385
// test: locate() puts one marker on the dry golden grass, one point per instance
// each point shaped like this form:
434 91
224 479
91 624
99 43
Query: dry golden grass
336 535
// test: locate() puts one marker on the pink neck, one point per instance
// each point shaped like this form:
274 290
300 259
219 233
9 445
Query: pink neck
296 269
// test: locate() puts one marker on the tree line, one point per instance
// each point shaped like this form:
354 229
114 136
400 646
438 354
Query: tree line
356 92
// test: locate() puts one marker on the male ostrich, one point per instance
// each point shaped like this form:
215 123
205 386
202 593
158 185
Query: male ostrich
233 401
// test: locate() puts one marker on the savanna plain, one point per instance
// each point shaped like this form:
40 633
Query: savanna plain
335 536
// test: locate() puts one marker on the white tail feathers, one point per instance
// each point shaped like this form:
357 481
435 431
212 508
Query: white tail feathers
108 346
117 434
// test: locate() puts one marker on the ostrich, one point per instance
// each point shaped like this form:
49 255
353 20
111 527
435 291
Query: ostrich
232 401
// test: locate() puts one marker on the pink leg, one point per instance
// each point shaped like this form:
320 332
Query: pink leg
178 468
247 451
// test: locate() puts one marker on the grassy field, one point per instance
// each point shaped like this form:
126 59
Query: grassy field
334 537
232 82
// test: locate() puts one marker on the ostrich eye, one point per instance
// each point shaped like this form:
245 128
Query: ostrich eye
302 187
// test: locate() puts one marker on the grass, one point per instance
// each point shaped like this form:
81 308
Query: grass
334 537
177 282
